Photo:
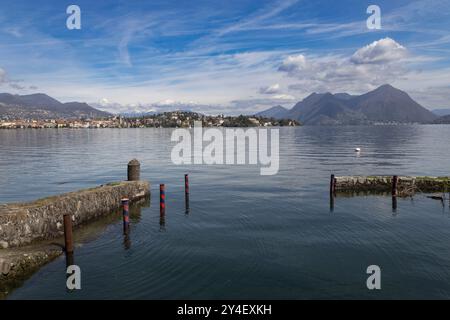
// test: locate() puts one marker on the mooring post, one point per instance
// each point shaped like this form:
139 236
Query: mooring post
394 186
332 185
126 215
332 191
70 261
394 193
186 192
162 199
134 170
68 236
186 184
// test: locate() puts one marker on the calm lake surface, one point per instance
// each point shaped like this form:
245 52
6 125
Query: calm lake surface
247 235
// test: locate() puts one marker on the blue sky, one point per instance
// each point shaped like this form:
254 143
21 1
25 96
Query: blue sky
223 56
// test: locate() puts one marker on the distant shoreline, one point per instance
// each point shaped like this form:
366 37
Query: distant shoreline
278 126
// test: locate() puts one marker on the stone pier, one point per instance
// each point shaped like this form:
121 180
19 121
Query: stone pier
27 229
24 223
384 184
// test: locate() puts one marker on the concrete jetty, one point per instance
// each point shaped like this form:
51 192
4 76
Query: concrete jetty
24 223
27 228
405 184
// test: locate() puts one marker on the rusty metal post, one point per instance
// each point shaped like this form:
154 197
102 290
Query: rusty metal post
394 204
134 170
394 186
68 235
162 207
162 199
332 184
186 192
70 261
126 215
331 202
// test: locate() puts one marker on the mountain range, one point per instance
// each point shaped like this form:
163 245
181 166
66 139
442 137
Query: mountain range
441 112
42 106
384 104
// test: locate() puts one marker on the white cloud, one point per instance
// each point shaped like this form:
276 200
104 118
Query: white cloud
379 52
273 89
283 97
380 62
104 102
293 63
14 32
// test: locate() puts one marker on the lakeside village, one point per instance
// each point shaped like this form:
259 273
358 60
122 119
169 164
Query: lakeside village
175 119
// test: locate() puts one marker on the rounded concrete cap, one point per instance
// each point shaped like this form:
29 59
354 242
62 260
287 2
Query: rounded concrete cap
134 162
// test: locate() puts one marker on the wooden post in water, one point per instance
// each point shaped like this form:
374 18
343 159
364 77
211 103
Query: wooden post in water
134 170
186 192
126 215
68 236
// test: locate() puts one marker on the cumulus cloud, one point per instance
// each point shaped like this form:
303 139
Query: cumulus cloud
378 52
293 63
270 89
380 62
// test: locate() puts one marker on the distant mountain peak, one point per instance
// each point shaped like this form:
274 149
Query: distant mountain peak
42 106
385 104
386 86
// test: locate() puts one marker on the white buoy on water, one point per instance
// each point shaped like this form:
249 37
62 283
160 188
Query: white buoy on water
357 149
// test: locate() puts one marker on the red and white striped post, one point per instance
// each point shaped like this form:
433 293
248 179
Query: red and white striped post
186 191
162 199
126 215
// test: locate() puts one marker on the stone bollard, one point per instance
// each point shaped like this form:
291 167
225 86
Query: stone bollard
134 170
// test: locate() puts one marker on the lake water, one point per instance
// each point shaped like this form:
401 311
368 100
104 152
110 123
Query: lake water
247 235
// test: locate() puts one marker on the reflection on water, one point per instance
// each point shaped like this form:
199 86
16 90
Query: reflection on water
246 235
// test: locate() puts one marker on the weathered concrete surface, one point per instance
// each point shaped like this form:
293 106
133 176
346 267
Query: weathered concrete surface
18 264
384 184
24 223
